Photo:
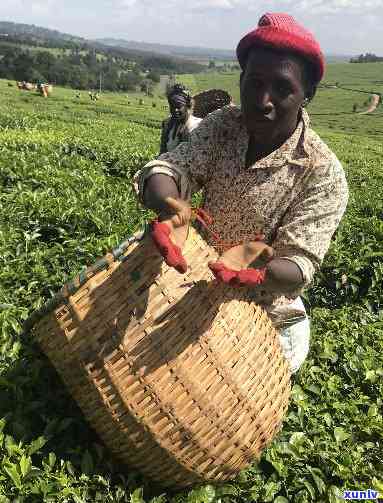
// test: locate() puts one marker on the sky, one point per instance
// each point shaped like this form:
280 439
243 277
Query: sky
347 27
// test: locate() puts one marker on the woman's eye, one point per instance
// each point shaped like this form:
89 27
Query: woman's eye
283 89
253 82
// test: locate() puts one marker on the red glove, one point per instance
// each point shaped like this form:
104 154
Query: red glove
249 277
160 234
244 277
221 272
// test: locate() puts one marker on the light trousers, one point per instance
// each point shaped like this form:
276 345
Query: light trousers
295 341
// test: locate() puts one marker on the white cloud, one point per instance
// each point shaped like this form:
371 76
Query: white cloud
313 6
342 26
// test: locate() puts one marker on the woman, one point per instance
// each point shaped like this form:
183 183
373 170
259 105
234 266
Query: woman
180 124
272 187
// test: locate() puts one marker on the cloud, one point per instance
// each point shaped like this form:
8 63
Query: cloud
343 26
210 4
296 5
334 6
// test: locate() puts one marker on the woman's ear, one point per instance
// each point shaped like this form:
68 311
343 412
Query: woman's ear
311 93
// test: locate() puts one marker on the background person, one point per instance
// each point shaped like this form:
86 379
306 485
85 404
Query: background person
177 127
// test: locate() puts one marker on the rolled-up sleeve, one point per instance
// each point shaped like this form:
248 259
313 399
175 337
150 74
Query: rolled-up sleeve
305 234
190 164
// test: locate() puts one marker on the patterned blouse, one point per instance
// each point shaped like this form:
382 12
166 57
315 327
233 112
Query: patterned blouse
296 196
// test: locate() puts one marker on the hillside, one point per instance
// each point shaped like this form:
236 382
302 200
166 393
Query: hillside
36 32
32 53
196 53
172 50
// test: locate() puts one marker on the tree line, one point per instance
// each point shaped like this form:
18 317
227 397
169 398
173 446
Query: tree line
366 58
83 69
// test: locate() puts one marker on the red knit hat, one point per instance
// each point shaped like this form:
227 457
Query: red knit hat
280 31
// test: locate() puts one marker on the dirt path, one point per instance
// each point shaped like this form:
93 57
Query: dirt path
374 103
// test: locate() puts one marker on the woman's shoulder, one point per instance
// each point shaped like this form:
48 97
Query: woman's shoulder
317 148
322 158
228 113
226 118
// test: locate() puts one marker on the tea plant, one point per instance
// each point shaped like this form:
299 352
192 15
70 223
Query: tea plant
65 199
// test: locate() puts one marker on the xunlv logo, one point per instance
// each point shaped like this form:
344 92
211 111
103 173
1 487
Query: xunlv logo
370 494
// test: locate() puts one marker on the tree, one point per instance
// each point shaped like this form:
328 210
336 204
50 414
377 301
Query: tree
147 86
154 76
129 81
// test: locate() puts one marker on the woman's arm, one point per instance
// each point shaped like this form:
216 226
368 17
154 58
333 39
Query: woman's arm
189 166
282 275
157 189
305 233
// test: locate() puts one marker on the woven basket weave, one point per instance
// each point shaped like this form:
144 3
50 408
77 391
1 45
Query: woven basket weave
206 102
181 377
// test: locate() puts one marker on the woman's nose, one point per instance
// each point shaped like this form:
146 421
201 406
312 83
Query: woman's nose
264 101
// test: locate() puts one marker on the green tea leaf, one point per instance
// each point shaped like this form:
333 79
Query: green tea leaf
137 496
25 465
36 445
11 470
340 434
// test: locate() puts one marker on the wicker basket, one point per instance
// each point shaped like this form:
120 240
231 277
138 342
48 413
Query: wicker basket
208 101
181 377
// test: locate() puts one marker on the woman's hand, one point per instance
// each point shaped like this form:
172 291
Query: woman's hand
241 256
233 265
177 220
169 233
180 211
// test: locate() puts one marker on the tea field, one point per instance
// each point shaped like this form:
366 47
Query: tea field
65 173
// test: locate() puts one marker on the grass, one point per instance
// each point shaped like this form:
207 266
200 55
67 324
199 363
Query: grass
65 170
331 108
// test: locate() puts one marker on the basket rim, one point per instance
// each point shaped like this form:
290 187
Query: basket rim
208 99
210 91
72 286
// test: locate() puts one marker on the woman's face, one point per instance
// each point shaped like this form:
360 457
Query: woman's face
178 108
272 92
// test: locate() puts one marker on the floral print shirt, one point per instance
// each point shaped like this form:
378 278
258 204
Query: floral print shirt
296 196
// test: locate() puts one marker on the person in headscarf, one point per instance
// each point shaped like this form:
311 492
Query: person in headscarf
273 189
181 123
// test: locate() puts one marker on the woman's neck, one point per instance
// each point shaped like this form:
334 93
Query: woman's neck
257 150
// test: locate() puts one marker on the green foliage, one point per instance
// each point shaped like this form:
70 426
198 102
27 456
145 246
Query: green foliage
352 273
65 199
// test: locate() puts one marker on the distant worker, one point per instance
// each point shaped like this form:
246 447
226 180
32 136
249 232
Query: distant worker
177 127
93 96
42 89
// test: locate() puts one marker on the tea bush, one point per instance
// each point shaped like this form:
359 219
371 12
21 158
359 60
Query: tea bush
65 199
